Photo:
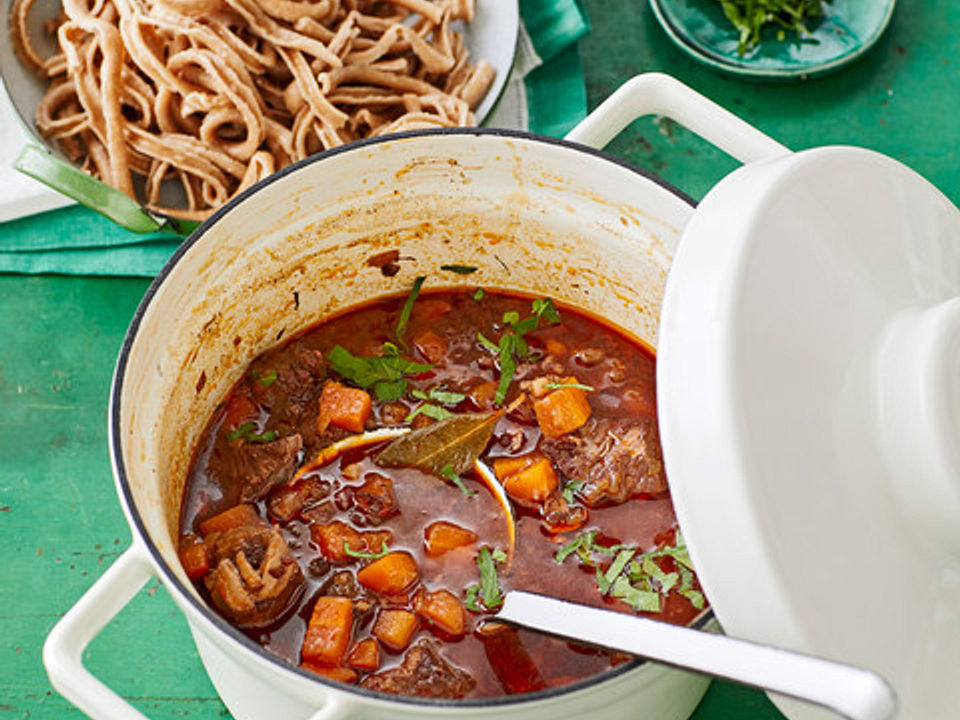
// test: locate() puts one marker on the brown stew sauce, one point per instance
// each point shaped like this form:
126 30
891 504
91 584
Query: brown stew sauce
279 397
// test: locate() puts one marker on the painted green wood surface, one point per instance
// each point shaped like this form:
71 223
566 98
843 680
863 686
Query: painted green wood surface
60 523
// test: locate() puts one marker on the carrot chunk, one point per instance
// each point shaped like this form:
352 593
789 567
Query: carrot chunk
504 467
194 557
365 655
534 483
338 673
442 609
391 574
431 346
344 407
442 536
561 411
328 633
395 628
555 347
237 516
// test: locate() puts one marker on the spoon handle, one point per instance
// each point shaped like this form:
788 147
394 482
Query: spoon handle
852 692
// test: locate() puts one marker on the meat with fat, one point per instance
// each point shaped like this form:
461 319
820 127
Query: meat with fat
613 458
423 673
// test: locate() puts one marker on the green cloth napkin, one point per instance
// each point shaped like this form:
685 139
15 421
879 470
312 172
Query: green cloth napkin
78 241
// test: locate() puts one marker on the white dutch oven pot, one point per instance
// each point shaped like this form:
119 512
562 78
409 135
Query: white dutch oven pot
794 535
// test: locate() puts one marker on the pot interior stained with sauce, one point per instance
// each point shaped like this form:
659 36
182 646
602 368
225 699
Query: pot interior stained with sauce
378 564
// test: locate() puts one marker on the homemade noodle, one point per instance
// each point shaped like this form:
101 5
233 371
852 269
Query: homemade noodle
218 94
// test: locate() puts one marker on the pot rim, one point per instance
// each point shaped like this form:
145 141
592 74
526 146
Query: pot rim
170 579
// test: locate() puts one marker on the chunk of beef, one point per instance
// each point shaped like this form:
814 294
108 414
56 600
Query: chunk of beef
296 377
614 459
257 467
423 673
374 499
288 502
256 578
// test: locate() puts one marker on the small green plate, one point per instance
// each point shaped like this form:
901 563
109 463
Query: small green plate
848 30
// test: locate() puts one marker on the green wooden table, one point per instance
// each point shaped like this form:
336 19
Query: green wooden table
60 523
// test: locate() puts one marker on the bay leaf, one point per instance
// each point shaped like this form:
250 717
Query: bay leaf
453 443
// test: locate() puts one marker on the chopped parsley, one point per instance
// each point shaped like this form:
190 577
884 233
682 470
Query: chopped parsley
636 578
433 399
489 588
571 488
366 555
750 17
459 269
478 294
559 386
430 410
450 475
384 373
248 432
408 308
265 379
513 345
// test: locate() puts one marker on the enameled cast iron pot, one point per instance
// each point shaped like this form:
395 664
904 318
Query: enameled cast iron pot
549 217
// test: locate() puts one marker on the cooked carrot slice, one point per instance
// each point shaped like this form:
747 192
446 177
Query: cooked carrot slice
365 655
442 609
395 628
344 407
442 536
504 467
338 673
237 516
328 633
391 574
561 411
534 483
194 557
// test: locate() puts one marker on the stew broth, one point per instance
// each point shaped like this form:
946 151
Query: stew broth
600 485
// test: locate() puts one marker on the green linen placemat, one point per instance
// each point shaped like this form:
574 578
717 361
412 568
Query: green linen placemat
77 241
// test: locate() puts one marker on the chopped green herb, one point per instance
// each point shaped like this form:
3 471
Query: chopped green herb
459 269
430 410
269 378
435 394
385 373
248 432
558 386
544 309
408 307
618 564
489 587
508 366
487 342
511 317
478 294
450 475
640 600
750 17
580 545
570 488
470 602
499 555
366 555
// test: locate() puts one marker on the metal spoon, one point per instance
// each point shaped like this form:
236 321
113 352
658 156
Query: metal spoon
852 692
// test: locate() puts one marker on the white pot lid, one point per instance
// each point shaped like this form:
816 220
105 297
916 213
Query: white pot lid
809 395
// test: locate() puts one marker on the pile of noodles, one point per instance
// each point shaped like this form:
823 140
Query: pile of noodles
217 94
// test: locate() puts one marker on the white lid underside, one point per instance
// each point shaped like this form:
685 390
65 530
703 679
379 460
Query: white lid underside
778 390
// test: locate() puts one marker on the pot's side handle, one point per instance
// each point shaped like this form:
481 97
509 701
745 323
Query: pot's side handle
63 650
333 709
659 94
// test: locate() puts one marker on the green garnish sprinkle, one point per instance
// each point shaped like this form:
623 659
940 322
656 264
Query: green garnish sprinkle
385 374
570 488
750 17
366 555
408 308
489 588
558 386
478 294
450 475
248 432
459 269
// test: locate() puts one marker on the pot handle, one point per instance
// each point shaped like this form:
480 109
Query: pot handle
659 94
63 650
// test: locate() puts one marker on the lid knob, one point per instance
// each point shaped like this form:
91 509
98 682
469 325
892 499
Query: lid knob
917 386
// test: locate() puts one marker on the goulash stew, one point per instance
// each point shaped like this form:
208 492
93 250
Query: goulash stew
368 492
